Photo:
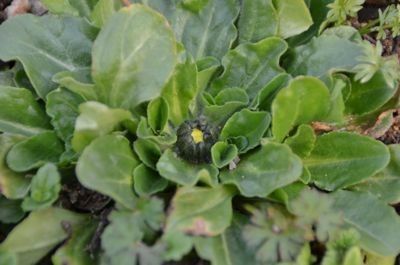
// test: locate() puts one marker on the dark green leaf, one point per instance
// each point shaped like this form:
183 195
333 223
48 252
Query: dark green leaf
46 45
251 66
249 124
264 170
341 159
148 181
20 113
302 143
177 170
35 151
12 185
11 211
223 153
148 152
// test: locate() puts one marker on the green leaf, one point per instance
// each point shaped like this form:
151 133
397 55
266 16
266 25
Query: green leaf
229 248
293 17
96 120
70 7
106 166
251 66
20 113
72 82
378 223
192 214
122 248
370 96
46 45
264 170
145 132
258 20
148 152
206 68
129 64
147 181
341 159
177 245
225 104
177 170
11 211
103 11
249 124
210 31
324 54
306 99
75 251
12 185
386 184
157 114
303 142
35 151
266 18
39 233
181 90
7 258
273 234
315 214
62 106
223 153
45 186
265 97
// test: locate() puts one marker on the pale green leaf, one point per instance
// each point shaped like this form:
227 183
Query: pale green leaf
132 64
106 166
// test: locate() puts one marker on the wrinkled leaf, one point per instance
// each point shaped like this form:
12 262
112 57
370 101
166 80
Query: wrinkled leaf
157 114
251 66
148 152
46 45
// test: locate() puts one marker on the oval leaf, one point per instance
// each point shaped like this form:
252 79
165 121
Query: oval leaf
341 159
132 64
34 152
264 170
192 214
306 99
106 166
